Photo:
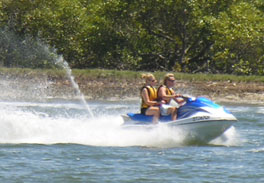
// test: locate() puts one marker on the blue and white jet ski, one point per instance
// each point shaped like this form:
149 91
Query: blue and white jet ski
201 118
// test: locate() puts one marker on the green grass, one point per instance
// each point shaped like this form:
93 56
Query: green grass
115 74
215 77
102 73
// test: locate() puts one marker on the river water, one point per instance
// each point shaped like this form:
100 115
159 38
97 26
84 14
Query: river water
58 141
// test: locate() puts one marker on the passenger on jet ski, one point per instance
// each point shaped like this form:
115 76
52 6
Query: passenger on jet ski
167 95
149 104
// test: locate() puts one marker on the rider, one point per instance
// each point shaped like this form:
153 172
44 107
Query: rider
150 105
166 94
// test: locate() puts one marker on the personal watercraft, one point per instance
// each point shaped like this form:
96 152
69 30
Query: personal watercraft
202 119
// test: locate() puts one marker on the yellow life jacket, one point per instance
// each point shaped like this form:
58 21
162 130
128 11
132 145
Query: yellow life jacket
169 91
152 93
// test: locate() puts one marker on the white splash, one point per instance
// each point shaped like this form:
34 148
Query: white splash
19 126
53 123
230 138
60 61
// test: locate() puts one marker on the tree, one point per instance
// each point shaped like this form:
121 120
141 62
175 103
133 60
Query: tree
217 36
55 22
238 36
167 35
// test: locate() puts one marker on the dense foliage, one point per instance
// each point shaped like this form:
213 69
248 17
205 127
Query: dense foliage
215 36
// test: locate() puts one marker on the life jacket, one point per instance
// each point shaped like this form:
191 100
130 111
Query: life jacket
169 91
152 93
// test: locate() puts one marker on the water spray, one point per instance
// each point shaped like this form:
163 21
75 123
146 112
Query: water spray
61 62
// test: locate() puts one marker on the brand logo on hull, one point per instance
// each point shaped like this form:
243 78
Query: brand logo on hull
201 118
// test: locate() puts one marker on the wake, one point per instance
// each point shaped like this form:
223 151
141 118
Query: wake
46 123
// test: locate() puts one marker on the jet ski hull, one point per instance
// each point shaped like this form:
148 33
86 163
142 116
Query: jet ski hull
201 120
203 131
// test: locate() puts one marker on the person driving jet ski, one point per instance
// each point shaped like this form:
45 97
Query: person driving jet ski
171 101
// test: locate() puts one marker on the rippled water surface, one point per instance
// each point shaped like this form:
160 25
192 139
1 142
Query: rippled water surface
57 141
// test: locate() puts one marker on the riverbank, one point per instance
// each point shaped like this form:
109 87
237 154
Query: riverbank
219 91
110 85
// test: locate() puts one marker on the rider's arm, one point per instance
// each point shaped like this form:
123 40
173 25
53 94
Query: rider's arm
162 94
146 99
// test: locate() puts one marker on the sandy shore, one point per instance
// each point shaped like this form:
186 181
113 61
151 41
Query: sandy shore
106 88
40 88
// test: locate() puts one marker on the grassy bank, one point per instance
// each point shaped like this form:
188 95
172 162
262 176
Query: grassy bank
99 73
129 75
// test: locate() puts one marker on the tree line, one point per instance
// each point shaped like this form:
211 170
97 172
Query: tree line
211 36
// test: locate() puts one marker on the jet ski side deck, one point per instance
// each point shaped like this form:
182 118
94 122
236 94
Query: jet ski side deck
201 119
